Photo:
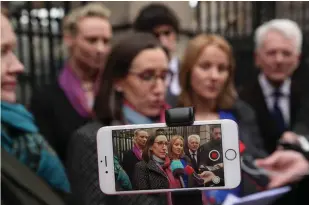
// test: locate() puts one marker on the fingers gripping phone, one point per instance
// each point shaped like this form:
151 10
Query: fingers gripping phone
154 158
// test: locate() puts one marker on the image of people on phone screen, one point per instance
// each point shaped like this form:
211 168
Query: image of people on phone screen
158 158
210 159
155 171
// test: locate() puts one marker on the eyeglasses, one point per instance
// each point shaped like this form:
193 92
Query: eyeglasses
162 143
163 33
150 76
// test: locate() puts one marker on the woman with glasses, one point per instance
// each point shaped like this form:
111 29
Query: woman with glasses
131 91
154 172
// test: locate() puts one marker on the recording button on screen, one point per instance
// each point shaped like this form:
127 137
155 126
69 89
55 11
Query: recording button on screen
214 155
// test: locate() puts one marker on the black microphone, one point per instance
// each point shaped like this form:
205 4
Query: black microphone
178 171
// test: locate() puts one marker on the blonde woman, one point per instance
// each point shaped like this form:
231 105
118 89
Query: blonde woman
176 152
207 83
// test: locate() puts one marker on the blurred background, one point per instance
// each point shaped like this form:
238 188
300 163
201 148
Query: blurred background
38 28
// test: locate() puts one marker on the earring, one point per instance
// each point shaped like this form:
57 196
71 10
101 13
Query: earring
118 89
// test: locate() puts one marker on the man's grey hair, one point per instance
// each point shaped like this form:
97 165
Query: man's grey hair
197 137
286 27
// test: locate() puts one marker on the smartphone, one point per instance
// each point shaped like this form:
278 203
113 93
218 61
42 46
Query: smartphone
154 158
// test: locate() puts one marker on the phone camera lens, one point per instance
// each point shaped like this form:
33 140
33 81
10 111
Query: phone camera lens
101 161
106 172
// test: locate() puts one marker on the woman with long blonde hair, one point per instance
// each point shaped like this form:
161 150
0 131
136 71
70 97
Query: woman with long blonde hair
176 152
207 83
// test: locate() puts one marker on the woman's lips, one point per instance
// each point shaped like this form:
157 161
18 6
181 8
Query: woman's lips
8 85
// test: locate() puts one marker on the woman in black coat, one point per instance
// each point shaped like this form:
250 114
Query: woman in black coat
132 91
154 172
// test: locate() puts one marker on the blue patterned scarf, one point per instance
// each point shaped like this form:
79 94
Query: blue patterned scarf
20 137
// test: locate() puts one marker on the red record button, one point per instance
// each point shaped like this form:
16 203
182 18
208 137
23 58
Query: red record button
214 155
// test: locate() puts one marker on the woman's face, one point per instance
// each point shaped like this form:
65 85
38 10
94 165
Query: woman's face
141 138
11 67
177 147
145 86
210 73
159 146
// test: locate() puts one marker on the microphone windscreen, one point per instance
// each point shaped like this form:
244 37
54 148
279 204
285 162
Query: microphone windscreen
189 170
176 164
242 147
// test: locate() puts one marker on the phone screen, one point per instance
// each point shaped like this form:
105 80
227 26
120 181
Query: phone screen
168 158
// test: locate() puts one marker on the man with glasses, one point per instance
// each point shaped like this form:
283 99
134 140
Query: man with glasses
163 23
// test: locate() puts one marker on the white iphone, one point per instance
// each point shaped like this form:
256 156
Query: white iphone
154 158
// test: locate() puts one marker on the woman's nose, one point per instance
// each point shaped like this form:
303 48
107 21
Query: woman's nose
160 87
214 73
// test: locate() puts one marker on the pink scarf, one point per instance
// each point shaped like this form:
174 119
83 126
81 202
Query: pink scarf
137 152
173 182
72 88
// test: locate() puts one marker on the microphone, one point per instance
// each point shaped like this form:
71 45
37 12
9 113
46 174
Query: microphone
190 171
178 171
242 147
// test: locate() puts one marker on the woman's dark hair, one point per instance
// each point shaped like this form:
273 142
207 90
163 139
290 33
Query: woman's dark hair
108 102
150 141
146 151
155 15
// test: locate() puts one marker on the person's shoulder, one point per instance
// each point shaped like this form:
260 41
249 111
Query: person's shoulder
88 131
128 153
141 164
185 158
242 109
246 89
46 89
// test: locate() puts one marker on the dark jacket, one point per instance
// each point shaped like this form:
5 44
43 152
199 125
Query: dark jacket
249 134
128 163
21 186
55 117
150 176
270 134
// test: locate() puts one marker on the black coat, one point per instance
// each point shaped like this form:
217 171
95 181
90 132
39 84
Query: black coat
149 176
128 163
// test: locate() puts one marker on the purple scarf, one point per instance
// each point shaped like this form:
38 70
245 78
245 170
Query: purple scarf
72 88
137 152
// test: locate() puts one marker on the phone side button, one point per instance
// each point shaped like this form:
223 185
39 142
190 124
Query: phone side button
230 154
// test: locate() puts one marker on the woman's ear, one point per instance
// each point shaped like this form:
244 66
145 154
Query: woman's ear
68 40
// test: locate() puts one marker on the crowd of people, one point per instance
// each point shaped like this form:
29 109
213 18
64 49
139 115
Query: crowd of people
133 81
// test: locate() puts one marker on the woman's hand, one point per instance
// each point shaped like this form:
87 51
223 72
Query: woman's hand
207 176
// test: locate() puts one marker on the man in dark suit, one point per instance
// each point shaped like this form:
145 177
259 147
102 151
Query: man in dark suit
276 95
191 152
